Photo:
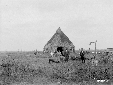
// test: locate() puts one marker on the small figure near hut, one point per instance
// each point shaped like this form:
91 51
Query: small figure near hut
66 55
36 52
82 53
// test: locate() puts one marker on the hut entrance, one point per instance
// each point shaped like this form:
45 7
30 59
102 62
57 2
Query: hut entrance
64 52
60 49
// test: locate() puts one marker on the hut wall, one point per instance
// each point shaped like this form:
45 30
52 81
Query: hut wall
56 42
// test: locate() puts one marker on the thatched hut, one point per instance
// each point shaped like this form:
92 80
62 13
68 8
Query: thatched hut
58 41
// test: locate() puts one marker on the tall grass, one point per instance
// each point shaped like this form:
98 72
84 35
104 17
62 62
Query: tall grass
12 71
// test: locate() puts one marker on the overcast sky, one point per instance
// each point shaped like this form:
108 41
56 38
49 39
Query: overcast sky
29 24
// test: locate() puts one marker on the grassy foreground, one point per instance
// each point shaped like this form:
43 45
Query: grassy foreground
13 71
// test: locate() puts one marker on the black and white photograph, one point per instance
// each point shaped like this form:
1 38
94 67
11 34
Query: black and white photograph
56 42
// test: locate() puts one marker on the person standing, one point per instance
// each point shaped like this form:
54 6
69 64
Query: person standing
82 53
66 54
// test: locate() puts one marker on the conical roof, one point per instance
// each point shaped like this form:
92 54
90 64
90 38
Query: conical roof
63 37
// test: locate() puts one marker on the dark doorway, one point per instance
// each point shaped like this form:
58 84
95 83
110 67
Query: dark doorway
60 49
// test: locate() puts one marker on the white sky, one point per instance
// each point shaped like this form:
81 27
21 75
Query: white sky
29 24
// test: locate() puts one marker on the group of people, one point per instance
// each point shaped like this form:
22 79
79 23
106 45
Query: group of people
64 53
61 53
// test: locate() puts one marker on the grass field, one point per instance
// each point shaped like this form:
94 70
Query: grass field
25 68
